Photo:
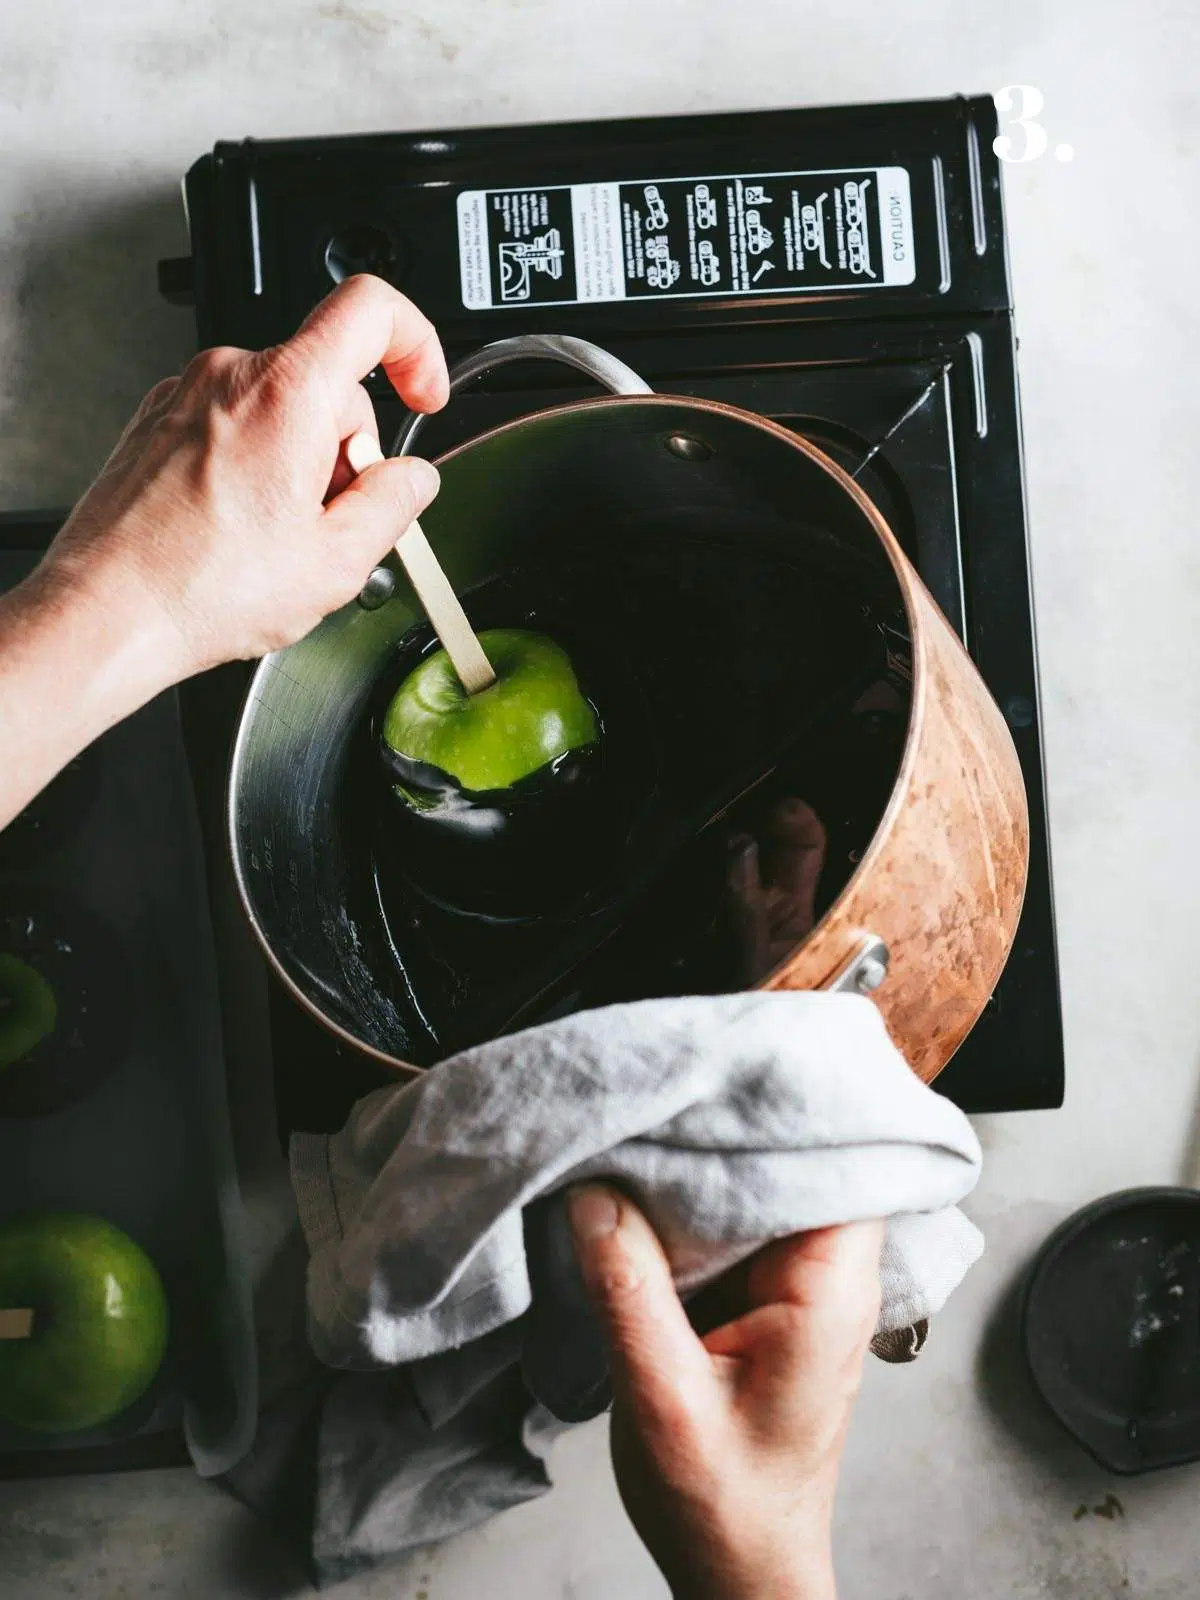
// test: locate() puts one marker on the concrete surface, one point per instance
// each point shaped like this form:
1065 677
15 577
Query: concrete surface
955 1484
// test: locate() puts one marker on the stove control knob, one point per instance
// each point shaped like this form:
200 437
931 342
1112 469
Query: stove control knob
362 249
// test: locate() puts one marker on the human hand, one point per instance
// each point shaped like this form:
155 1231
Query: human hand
727 1447
228 521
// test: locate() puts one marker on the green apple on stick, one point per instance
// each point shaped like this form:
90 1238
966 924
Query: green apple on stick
534 713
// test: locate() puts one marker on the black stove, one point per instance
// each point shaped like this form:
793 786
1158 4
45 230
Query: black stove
842 271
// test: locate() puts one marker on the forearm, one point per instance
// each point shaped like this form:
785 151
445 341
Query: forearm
73 662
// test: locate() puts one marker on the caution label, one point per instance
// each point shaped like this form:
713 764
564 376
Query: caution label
769 233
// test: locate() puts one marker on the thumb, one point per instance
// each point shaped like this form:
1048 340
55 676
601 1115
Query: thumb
373 510
658 1363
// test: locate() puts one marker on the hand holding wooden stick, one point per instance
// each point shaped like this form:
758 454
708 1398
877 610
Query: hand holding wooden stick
433 588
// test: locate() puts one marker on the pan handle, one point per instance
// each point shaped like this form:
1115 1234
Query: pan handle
588 358
864 971
612 374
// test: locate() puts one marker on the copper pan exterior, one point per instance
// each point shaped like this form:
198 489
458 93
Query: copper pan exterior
943 881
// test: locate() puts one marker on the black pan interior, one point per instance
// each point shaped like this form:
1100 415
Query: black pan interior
755 708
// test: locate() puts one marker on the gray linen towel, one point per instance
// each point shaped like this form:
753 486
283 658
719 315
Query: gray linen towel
439 1240
731 1120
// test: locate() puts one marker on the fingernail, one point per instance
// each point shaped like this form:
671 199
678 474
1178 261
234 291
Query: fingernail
426 479
594 1212
362 451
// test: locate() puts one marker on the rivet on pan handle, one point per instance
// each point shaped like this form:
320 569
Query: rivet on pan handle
864 971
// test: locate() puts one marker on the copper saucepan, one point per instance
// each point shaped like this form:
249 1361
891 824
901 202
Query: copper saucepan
927 916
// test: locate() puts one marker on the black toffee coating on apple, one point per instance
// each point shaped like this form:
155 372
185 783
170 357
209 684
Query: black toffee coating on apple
511 853
729 685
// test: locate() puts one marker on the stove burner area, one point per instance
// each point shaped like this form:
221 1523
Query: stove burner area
64 1004
841 271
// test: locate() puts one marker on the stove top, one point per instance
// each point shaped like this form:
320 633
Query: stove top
842 271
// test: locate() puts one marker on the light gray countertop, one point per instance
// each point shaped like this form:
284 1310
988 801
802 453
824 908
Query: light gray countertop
954 1485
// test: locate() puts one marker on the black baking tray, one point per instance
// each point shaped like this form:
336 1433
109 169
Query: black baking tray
107 863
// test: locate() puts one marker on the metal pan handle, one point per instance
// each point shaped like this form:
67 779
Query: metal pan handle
588 358
612 374
862 972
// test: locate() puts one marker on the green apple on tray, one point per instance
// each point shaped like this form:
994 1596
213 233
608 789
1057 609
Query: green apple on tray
83 1321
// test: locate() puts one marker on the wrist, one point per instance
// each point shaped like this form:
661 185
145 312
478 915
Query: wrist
807 1575
96 652
74 660
817 1586
821 1587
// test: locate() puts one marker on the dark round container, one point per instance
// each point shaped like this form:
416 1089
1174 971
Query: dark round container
1111 1327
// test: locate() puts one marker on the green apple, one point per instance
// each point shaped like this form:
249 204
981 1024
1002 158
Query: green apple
533 713
28 1011
99 1323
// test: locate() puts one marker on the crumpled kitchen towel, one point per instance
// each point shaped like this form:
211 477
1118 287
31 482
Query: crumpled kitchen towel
439 1240
731 1120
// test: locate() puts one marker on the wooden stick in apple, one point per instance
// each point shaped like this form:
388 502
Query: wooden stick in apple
16 1324
433 588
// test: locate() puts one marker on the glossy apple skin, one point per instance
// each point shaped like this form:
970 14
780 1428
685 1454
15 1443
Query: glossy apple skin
534 713
99 1321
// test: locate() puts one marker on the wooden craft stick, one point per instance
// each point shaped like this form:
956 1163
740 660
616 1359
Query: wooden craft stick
432 587
16 1324
444 610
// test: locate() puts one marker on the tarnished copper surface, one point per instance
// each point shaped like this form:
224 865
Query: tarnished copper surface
944 878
